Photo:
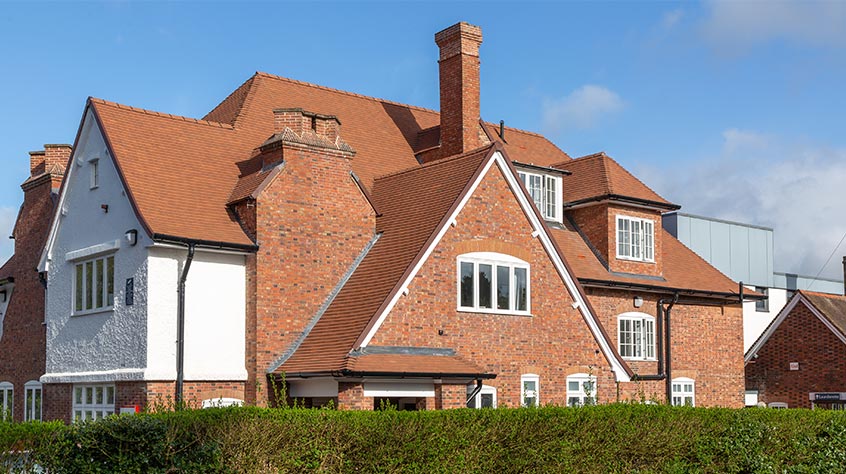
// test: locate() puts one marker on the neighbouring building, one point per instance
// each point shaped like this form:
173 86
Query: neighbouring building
800 359
22 339
328 246
744 253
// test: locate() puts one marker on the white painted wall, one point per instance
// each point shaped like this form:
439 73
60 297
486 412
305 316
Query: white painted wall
109 345
755 322
215 315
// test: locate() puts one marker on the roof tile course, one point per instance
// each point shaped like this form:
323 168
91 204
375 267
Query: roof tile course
600 175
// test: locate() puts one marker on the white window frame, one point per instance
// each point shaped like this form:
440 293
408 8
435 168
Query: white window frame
639 245
33 401
86 405
477 400
777 405
545 193
641 346
494 260
683 389
88 279
7 401
527 393
581 396
94 163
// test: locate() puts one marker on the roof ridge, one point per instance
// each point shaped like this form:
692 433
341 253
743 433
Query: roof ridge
237 115
180 118
822 294
431 164
591 155
633 176
339 91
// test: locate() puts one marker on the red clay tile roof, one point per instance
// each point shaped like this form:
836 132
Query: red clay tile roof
599 175
527 147
413 204
683 269
833 307
416 364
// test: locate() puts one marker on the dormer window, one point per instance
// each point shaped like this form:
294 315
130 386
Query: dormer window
635 239
545 191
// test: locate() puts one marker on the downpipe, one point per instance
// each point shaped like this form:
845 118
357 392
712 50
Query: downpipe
180 327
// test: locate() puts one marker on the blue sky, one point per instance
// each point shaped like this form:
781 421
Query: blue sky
733 110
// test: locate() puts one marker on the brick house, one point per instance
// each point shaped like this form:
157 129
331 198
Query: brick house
800 359
430 260
22 289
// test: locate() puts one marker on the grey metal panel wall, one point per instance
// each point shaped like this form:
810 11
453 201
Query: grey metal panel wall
760 266
740 254
721 245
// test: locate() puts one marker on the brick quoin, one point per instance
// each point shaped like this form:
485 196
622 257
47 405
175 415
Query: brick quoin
23 344
801 338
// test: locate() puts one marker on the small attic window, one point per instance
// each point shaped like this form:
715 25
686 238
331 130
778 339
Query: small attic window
95 172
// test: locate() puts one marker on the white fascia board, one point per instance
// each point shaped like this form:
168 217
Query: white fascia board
161 245
118 375
93 251
546 240
399 389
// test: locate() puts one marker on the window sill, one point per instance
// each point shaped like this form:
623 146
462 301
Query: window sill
494 311
640 359
631 259
89 312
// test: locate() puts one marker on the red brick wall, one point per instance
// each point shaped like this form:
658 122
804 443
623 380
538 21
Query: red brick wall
57 402
22 346
707 346
801 338
550 343
312 222
351 397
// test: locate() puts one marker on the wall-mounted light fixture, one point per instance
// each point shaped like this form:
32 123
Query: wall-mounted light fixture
132 237
105 208
638 301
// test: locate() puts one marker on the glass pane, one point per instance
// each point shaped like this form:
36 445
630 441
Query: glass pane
573 386
503 287
647 241
78 397
650 338
528 385
573 401
99 279
536 190
530 401
37 404
485 280
77 415
521 289
89 395
28 405
487 400
523 178
467 284
623 238
550 198
79 287
89 415
98 395
89 275
110 281
636 239
637 336
110 395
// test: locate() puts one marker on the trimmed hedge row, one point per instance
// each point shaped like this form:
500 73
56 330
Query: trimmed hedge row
609 438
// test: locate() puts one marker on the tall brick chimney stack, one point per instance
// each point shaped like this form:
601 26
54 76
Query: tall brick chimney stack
459 83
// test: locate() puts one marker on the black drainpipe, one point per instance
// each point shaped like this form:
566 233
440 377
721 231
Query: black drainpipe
180 326
662 336
844 274
474 392
668 349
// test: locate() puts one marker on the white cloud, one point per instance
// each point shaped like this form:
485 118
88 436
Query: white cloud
582 108
795 188
672 18
7 223
733 26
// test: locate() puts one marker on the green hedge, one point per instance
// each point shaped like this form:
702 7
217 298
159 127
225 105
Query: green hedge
609 438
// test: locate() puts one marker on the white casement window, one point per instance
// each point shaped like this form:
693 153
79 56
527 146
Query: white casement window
684 392
7 400
493 283
94 285
529 390
545 191
95 173
636 336
92 402
581 390
486 398
34 398
635 239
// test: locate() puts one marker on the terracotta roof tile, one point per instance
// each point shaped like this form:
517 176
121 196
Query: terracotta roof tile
600 175
833 307
413 203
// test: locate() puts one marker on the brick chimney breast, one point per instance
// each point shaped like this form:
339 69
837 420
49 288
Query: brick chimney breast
458 66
